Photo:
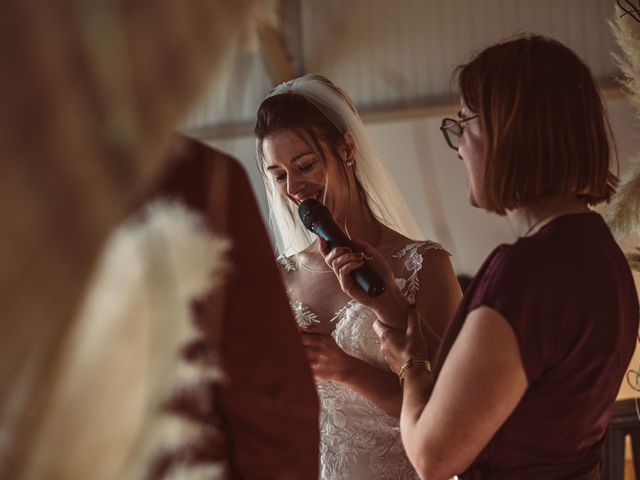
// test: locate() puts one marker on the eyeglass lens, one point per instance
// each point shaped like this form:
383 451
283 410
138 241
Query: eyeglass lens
452 131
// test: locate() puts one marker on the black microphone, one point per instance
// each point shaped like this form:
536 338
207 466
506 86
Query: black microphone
317 219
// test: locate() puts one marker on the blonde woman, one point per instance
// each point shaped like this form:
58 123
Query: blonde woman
311 143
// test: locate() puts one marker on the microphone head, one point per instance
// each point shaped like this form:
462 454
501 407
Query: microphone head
310 211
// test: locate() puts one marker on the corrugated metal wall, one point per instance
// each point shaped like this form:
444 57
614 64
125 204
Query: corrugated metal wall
400 54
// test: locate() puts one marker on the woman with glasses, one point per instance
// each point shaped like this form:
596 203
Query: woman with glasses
311 143
530 367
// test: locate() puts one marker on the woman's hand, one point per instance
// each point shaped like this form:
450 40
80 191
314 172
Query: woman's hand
397 346
328 361
391 306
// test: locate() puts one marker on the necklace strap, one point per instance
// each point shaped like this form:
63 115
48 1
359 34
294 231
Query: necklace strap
536 223
306 267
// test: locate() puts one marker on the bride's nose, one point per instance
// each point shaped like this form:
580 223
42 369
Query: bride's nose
294 184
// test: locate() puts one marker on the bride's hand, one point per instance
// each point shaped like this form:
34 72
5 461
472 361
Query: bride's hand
391 306
327 360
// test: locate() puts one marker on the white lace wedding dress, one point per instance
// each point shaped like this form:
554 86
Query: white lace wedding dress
358 440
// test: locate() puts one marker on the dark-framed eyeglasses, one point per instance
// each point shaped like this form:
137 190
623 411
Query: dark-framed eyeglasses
453 129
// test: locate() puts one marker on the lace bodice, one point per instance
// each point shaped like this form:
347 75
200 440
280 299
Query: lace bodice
358 440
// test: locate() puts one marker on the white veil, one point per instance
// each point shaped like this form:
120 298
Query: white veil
385 200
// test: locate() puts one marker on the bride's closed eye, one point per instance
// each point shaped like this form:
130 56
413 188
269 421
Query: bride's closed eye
305 167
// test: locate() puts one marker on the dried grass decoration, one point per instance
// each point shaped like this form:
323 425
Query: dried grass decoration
624 214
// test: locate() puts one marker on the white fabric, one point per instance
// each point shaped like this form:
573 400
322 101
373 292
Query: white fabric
386 201
358 440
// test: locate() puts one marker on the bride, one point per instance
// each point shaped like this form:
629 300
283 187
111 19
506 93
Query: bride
311 143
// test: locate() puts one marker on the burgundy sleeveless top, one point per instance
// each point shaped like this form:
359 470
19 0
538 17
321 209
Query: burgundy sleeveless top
568 294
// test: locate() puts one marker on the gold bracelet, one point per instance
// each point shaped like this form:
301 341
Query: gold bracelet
413 362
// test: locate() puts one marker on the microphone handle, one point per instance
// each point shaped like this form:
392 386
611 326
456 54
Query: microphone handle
332 234
368 279
365 276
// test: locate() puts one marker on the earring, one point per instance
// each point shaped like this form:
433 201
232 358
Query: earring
348 163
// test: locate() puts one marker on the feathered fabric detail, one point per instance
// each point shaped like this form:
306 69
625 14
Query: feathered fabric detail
123 361
623 214
634 260
626 31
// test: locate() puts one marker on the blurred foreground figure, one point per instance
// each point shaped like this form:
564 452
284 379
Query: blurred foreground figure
159 386
266 401
90 92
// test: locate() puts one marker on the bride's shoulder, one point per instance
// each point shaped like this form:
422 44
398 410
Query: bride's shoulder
418 246
398 246
407 256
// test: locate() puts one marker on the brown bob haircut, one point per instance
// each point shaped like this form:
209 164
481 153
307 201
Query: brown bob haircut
546 131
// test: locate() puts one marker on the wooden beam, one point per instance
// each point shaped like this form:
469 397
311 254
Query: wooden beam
274 53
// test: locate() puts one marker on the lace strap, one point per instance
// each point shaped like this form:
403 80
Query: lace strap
412 253
287 263
424 245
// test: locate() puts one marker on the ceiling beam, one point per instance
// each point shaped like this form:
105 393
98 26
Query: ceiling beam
273 47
